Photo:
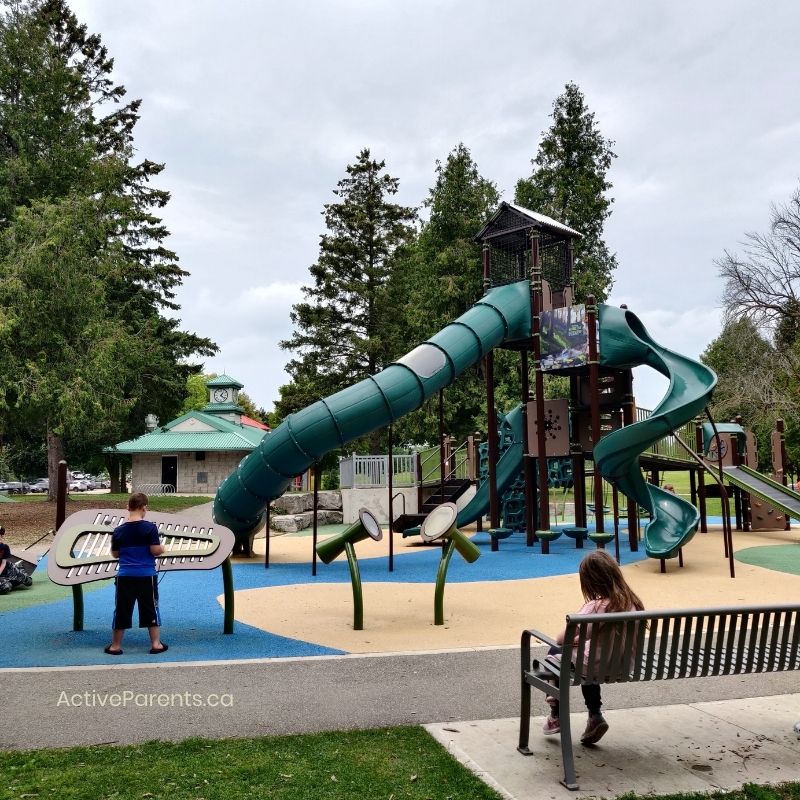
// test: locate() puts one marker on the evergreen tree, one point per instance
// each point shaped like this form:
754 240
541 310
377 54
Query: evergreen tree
448 273
340 329
56 146
441 277
570 184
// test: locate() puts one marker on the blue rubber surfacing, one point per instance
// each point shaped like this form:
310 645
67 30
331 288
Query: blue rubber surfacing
193 618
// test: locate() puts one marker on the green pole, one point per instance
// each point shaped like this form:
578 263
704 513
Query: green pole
227 582
441 577
355 579
77 607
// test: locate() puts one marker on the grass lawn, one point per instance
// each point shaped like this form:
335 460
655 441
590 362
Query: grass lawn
170 503
391 763
386 763
750 791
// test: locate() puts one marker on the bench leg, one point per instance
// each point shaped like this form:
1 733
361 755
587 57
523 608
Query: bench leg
525 719
570 780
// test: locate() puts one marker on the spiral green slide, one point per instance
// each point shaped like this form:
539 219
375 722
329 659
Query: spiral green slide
625 343
501 316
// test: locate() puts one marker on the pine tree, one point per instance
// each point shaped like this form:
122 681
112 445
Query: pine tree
441 278
449 275
570 184
340 334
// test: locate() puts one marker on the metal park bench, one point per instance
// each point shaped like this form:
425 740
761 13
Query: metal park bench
654 646
81 552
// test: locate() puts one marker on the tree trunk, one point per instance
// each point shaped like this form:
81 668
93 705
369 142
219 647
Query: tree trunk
55 453
113 473
375 443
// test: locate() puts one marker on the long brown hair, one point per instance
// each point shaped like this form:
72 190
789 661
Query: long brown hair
602 579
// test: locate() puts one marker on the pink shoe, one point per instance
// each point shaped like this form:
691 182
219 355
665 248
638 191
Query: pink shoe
552 726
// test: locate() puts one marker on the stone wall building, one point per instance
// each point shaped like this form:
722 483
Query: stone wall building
197 451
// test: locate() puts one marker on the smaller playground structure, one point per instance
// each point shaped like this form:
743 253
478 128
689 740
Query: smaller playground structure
761 502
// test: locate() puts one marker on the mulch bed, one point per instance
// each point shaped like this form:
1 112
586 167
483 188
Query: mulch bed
27 521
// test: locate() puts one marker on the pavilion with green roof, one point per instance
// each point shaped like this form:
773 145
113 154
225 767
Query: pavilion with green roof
197 451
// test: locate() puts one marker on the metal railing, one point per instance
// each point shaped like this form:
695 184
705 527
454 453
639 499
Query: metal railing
456 464
668 447
370 472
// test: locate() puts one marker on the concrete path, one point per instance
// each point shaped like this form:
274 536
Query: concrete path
692 747
59 707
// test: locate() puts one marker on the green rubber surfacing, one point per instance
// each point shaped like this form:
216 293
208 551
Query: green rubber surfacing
779 557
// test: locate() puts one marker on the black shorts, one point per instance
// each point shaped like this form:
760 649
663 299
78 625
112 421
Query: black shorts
136 591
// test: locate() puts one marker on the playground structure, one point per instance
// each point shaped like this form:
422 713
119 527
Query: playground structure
528 308
761 502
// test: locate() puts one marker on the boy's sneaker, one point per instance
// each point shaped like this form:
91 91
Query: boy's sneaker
596 728
552 726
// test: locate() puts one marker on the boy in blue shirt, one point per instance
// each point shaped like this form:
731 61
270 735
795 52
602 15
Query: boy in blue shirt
136 543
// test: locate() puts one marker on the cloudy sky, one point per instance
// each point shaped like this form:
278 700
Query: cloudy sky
258 106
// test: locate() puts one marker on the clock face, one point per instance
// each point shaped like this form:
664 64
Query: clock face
220 395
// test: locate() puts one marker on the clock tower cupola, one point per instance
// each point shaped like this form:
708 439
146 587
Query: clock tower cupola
223 398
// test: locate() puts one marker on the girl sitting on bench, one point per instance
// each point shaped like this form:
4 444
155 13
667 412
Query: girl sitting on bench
604 589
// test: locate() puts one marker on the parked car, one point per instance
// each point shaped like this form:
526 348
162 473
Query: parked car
40 485
16 487
78 486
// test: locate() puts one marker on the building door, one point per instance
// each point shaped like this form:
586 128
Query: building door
169 471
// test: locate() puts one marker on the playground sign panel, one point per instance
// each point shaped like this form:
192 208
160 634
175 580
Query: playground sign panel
565 338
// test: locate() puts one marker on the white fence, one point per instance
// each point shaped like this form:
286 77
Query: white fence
370 472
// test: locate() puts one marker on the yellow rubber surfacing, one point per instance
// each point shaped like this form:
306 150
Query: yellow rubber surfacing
399 616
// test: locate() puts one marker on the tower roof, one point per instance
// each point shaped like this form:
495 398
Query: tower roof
510 217
225 380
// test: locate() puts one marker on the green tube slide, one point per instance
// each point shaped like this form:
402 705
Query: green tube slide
502 315
625 343
508 467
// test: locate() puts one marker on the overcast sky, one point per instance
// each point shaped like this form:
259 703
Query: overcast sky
257 108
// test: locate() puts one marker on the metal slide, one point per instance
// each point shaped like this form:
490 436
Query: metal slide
625 343
508 467
502 315
772 492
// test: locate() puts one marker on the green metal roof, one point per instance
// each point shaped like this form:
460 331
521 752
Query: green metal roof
226 435
225 380
222 408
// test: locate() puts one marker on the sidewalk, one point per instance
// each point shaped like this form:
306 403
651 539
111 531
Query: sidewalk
693 747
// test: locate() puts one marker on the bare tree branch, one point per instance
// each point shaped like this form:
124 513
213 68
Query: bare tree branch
764 282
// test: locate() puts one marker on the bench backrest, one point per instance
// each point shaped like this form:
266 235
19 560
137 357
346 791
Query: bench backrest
662 645
81 551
